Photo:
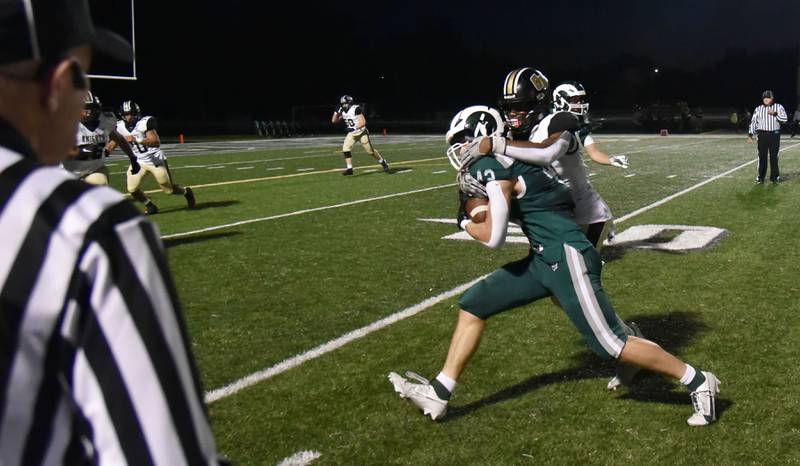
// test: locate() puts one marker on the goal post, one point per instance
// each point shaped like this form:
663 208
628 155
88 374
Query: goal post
101 11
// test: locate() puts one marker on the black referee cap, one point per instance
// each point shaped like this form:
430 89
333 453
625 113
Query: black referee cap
767 95
46 29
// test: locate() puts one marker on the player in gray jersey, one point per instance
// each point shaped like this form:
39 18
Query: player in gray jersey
97 128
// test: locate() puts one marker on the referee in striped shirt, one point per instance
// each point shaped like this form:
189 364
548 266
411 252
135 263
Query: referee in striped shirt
95 366
766 122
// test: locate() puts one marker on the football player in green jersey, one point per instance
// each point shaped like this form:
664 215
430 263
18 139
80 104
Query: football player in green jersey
561 263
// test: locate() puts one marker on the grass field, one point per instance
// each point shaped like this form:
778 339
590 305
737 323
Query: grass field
284 255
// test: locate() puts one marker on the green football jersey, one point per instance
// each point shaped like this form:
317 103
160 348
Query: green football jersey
545 209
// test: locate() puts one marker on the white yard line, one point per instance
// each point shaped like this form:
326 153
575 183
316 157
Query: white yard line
278 177
304 211
331 153
301 458
295 361
690 189
332 345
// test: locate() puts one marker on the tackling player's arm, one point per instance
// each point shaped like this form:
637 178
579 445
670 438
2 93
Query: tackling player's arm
602 158
492 232
531 152
337 116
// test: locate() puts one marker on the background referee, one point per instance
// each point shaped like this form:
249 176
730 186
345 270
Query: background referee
95 366
766 122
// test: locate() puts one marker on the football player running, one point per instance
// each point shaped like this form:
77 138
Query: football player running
524 103
95 130
142 134
356 123
561 263
570 114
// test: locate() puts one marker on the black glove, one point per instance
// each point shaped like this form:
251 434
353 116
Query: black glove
462 209
135 167
339 110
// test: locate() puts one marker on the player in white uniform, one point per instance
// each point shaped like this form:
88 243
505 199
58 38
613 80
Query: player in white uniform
142 134
591 211
96 128
353 117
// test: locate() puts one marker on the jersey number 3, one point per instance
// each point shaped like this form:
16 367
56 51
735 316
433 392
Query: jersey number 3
485 176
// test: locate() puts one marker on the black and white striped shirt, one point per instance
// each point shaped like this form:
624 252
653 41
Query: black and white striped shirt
763 121
95 364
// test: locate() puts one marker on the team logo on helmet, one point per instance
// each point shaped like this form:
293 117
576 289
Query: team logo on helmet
468 124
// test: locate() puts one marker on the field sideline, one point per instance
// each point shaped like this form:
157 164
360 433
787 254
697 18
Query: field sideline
284 256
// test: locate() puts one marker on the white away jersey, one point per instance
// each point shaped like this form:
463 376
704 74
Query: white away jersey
91 144
589 206
144 154
350 117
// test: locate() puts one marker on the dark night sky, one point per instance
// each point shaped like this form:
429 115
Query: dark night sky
212 59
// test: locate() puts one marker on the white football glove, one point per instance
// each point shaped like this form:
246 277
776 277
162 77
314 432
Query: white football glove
620 161
467 184
470 153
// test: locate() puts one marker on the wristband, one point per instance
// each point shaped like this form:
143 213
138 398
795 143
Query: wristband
497 142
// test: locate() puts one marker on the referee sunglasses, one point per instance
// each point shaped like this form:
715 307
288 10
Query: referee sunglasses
45 70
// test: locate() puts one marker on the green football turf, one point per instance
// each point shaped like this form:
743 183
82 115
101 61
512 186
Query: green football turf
318 265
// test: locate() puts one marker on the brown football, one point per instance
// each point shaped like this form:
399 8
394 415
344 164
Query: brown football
477 208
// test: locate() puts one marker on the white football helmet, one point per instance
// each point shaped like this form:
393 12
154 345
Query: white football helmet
570 96
468 124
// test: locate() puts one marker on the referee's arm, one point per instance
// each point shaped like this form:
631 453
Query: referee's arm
781 116
135 381
752 129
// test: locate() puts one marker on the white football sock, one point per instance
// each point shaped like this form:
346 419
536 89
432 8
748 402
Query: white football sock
446 381
688 375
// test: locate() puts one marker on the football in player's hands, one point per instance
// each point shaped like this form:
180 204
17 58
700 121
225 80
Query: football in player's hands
477 208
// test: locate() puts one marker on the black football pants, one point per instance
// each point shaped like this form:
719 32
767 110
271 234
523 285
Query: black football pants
768 142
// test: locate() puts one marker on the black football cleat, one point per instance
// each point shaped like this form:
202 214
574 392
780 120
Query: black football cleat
189 195
347 172
385 166
151 209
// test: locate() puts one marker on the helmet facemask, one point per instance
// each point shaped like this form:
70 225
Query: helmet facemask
521 117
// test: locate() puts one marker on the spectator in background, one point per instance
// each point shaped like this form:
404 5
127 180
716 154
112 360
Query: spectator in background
735 121
795 120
